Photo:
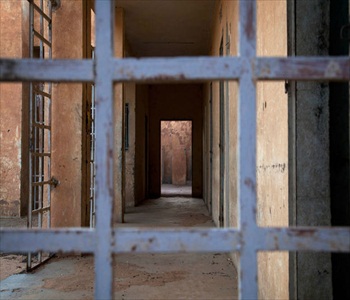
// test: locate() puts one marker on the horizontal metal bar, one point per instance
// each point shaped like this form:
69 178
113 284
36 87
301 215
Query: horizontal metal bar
324 239
177 69
41 183
181 240
42 38
41 154
303 68
42 93
42 126
141 240
34 240
41 12
46 70
39 210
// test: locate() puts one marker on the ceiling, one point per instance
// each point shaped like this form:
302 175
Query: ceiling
168 27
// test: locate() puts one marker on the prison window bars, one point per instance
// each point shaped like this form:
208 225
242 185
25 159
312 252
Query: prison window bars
248 238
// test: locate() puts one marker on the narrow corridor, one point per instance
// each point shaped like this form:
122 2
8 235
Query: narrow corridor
138 276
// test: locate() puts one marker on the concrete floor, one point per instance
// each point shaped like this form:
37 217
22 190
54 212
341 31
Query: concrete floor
146 276
171 190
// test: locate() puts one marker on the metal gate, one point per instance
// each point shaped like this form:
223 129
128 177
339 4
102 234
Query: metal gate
39 200
248 238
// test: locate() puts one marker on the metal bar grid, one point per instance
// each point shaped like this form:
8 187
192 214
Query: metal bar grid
40 123
248 238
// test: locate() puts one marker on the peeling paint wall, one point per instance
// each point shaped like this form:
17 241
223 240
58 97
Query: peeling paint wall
11 46
176 153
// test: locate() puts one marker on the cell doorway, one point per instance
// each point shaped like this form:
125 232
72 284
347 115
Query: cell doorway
176 158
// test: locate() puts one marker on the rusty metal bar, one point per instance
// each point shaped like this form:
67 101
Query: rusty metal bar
303 68
179 69
104 149
180 240
41 38
46 70
247 191
34 240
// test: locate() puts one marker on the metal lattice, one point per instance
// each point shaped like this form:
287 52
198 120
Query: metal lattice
248 238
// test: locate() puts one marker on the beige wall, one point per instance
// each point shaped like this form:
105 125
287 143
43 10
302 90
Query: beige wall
129 97
13 119
272 138
272 144
67 107
175 102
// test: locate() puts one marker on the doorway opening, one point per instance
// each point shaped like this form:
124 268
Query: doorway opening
176 158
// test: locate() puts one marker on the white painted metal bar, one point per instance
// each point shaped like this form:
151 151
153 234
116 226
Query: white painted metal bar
34 240
46 70
104 149
303 68
179 69
183 240
247 191
176 240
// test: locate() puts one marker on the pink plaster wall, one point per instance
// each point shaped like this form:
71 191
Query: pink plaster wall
176 143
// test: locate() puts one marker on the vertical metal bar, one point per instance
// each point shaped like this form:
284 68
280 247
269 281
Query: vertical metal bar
292 187
248 288
104 150
30 179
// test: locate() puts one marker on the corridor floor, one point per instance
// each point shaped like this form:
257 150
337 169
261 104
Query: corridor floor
138 276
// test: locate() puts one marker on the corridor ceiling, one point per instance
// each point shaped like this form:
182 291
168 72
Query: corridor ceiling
168 27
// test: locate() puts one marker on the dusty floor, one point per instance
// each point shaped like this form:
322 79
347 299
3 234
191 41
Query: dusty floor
171 190
146 276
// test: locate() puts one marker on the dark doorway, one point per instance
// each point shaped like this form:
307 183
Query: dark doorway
176 158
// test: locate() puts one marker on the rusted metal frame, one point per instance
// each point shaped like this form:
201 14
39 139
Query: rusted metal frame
104 149
41 12
31 145
42 93
247 192
182 240
43 209
325 239
41 38
176 240
40 183
42 154
41 126
178 69
46 70
302 68
34 240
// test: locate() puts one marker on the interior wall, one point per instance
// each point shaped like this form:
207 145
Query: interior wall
272 149
13 161
314 270
272 137
175 102
67 107
129 98
141 152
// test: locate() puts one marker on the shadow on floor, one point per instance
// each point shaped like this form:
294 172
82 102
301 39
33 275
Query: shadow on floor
138 276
